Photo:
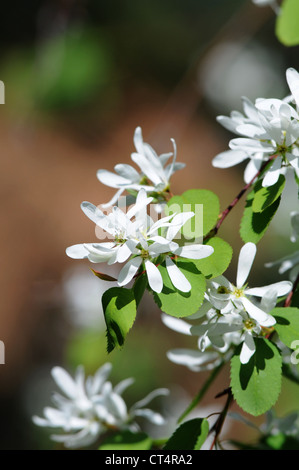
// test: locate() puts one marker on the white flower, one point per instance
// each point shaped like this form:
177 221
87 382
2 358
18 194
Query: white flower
138 242
153 176
268 128
92 407
224 292
199 360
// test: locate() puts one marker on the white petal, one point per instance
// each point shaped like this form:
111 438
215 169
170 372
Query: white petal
281 288
77 251
154 276
111 179
148 168
177 277
293 82
251 169
123 385
177 223
273 173
263 318
176 324
229 158
129 270
152 416
127 172
248 348
246 258
64 381
191 358
148 398
195 251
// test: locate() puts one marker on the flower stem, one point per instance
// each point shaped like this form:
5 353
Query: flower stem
202 391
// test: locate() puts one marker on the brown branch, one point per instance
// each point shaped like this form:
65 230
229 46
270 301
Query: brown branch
225 213
217 427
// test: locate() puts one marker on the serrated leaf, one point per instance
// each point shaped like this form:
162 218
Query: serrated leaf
287 29
254 224
287 325
190 435
218 262
206 206
119 306
177 303
127 440
256 385
264 197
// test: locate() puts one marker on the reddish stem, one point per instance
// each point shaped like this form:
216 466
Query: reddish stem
225 213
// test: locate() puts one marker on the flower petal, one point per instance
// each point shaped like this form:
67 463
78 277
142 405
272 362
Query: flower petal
176 324
177 278
263 318
229 158
281 288
248 348
246 258
129 270
195 251
154 276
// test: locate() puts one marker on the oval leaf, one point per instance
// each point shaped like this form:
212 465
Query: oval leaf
287 29
191 435
256 385
204 203
287 325
120 310
218 262
177 303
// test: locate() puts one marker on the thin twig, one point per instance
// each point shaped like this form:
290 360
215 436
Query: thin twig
217 428
225 213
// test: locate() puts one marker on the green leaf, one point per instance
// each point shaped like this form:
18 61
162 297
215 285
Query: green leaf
254 224
119 306
127 440
204 203
287 29
264 197
217 262
287 325
177 303
256 385
190 435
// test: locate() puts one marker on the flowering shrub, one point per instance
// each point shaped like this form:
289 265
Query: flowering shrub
175 254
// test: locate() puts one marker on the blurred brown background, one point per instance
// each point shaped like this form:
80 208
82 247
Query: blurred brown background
79 77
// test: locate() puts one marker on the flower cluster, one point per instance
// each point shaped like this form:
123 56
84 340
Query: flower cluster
268 131
137 240
90 408
230 315
153 176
